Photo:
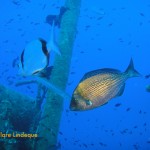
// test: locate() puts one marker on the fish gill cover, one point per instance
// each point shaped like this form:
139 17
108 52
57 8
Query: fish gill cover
108 34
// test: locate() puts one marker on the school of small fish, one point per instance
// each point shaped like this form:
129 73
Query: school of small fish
96 88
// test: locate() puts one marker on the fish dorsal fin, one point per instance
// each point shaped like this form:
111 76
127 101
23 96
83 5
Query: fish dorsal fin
46 72
121 90
99 71
131 70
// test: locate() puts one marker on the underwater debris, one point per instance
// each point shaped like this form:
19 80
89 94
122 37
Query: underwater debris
17 114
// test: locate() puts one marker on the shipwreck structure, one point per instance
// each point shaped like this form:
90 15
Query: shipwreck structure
20 113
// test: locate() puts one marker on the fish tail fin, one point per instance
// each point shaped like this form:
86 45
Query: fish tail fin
131 70
51 45
53 88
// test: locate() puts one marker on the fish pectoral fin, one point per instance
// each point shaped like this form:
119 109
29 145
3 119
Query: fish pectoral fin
121 90
46 73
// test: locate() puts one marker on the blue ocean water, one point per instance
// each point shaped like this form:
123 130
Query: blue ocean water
109 33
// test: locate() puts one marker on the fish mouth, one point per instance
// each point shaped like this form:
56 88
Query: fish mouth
75 107
74 104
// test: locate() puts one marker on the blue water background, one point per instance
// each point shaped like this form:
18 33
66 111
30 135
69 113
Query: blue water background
109 33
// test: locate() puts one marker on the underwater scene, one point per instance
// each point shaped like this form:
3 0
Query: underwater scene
75 75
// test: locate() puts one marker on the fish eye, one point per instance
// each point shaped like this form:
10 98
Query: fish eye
88 102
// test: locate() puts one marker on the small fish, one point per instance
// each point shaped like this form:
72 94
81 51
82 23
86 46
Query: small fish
148 88
99 86
118 104
85 145
15 62
128 109
147 76
16 2
141 14
148 141
140 111
28 1
60 133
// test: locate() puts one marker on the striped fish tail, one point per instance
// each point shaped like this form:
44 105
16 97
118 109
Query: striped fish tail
131 71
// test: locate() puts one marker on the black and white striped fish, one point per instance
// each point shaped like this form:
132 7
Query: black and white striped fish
35 57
